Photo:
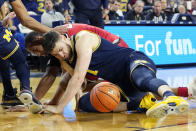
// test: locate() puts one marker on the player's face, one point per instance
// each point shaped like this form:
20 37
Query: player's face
37 50
62 49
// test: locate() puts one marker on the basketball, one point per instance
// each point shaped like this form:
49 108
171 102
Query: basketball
105 97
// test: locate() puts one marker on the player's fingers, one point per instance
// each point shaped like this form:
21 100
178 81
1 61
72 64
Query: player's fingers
42 112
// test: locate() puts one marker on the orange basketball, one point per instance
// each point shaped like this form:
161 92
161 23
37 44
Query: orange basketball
105 96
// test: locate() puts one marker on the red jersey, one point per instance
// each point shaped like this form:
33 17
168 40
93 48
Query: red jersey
75 28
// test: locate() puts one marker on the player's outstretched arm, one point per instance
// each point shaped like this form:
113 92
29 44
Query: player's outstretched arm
30 22
84 48
46 82
61 89
25 19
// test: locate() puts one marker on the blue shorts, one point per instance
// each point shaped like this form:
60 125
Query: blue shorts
138 58
129 90
8 45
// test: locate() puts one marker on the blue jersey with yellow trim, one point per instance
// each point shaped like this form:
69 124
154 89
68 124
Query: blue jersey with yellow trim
109 61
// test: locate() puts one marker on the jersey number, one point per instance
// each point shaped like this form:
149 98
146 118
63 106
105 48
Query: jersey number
7 35
41 5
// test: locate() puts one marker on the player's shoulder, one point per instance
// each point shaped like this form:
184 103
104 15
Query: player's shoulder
84 33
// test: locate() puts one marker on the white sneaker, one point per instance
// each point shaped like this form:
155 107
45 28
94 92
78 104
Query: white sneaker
192 90
29 99
171 105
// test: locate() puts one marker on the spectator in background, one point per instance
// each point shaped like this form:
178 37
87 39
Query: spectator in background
114 11
182 15
157 15
125 6
50 15
148 2
137 13
131 4
166 10
192 8
58 6
88 11
173 4
148 7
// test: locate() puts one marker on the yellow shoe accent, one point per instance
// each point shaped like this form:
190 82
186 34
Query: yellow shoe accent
172 105
149 123
147 101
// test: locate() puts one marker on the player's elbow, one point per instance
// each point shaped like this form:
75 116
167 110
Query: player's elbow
27 22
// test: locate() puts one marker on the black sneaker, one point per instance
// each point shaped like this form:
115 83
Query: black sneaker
29 99
9 101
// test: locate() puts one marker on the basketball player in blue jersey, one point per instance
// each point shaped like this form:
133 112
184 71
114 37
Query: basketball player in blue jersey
9 50
88 54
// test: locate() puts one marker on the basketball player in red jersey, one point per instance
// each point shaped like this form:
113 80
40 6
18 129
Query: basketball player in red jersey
72 29
33 44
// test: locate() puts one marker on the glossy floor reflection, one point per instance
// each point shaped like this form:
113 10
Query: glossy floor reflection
25 121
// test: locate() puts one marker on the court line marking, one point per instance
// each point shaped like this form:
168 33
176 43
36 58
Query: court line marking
142 129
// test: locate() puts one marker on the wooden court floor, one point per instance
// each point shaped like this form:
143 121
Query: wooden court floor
25 121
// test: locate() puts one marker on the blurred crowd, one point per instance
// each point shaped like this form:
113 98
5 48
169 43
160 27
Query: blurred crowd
152 10
100 12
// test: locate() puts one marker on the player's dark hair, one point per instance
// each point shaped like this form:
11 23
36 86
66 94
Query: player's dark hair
33 39
49 40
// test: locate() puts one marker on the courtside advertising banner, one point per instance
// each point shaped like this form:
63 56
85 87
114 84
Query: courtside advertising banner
163 44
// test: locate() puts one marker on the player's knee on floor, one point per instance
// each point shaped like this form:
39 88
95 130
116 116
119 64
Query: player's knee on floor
85 104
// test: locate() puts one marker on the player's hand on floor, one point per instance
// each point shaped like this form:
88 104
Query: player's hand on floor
51 109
